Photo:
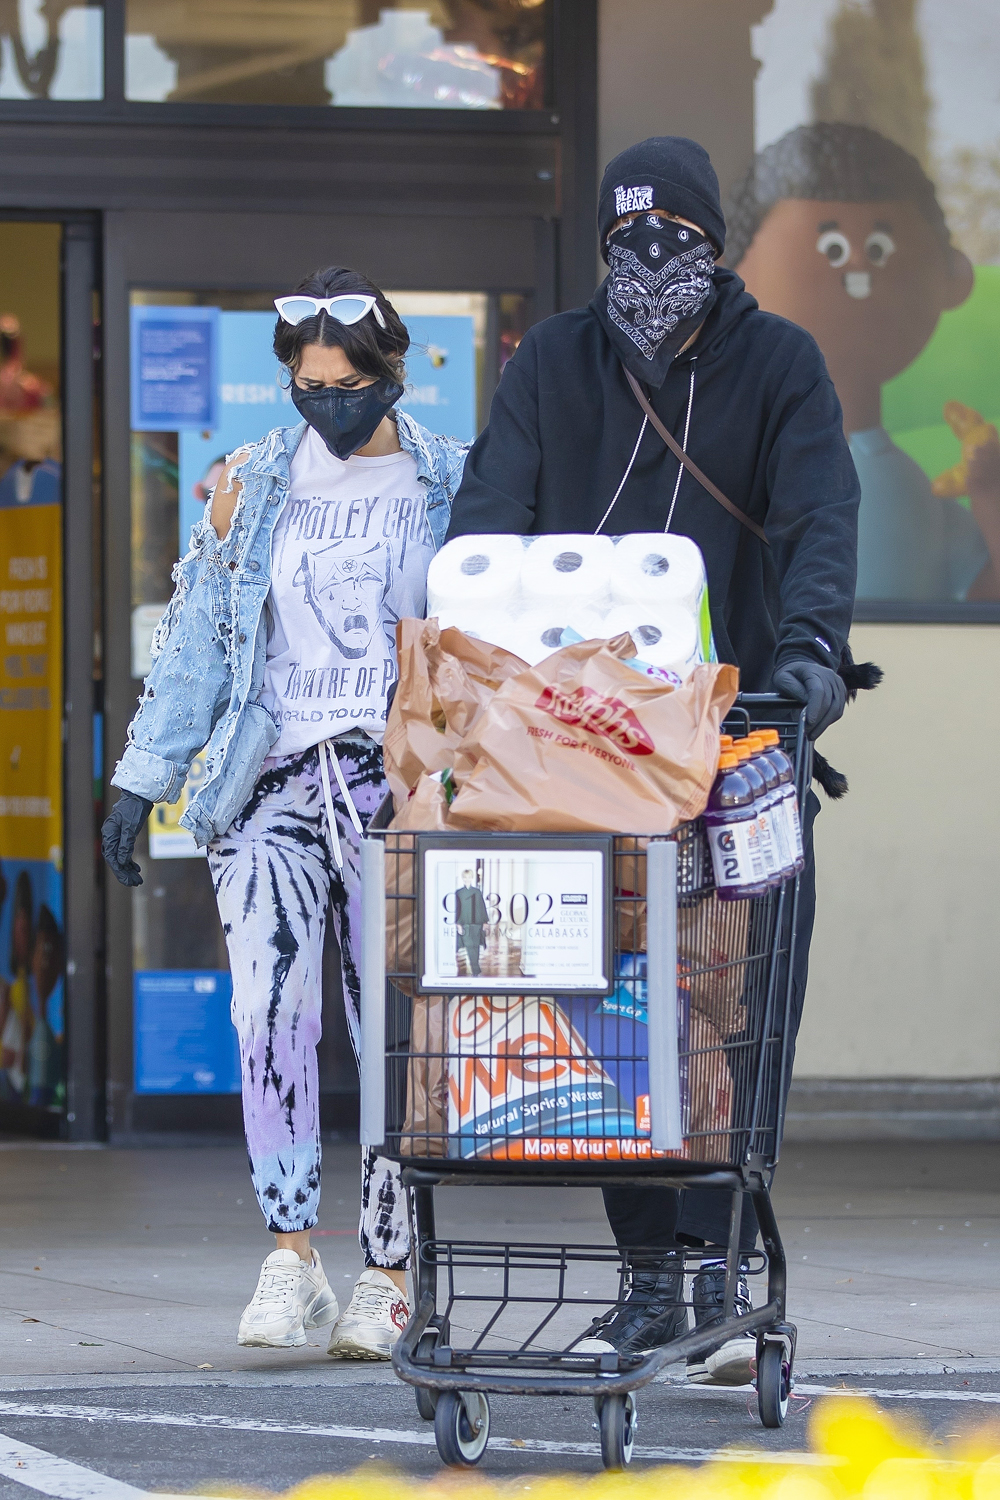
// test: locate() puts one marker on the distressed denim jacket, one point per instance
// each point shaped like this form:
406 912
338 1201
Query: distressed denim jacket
210 647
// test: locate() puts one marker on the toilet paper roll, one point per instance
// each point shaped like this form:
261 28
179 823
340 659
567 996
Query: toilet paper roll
539 631
656 568
493 626
568 567
664 637
481 570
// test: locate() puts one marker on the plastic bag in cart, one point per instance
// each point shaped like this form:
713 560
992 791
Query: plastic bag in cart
584 743
446 679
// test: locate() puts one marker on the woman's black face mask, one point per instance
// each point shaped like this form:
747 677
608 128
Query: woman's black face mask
346 420
659 291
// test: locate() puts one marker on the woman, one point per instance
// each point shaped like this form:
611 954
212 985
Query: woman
277 653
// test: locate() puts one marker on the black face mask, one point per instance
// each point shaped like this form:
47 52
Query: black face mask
659 290
346 420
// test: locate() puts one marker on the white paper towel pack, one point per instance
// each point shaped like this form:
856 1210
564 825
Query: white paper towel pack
539 631
492 625
568 567
664 637
521 593
484 571
658 568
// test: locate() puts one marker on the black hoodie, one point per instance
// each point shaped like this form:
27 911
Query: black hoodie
766 427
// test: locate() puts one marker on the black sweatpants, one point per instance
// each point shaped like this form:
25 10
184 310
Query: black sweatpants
695 1216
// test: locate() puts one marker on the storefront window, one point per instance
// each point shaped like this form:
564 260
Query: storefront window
871 216
32 944
440 54
51 49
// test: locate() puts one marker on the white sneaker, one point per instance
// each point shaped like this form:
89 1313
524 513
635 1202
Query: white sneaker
290 1298
369 1328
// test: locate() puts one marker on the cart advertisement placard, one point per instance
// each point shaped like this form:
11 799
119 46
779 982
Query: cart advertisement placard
515 917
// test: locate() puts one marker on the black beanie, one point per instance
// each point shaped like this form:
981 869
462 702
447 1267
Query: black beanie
668 172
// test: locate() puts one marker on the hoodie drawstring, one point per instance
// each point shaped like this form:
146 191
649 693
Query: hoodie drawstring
326 747
680 467
684 445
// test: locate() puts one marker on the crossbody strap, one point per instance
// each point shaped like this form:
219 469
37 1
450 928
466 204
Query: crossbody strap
690 464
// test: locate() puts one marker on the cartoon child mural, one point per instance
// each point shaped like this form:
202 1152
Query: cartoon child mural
839 230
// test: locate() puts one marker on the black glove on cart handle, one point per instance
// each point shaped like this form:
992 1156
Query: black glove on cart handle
821 689
119 833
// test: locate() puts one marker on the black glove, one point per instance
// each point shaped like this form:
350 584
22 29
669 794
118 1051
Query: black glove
821 689
119 833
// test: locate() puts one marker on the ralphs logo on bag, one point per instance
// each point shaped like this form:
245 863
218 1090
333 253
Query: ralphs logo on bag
583 708
518 1068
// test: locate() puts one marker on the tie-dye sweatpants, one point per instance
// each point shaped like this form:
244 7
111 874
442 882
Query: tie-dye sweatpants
275 876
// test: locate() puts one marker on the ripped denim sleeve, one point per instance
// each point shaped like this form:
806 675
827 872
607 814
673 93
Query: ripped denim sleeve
188 687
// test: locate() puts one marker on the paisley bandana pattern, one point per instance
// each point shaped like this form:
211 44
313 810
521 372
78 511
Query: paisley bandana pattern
660 289
649 305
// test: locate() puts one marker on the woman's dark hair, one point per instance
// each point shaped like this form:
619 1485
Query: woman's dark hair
372 350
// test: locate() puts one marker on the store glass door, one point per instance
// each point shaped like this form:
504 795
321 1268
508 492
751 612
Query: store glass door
32 944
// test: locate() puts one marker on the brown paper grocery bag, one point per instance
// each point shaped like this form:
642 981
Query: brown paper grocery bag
426 811
713 937
710 1084
581 742
446 679
426 1124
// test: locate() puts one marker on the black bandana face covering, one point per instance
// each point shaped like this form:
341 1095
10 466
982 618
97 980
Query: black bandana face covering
659 290
346 420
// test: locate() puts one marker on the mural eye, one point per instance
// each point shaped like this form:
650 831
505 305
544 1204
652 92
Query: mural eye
835 246
879 246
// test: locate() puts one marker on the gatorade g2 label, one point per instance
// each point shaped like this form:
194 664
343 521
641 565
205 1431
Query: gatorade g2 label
737 857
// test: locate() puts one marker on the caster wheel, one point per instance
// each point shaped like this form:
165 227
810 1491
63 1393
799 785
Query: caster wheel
618 1419
427 1400
461 1427
774 1382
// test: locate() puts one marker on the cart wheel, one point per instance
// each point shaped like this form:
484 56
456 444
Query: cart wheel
427 1399
618 1419
773 1385
461 1427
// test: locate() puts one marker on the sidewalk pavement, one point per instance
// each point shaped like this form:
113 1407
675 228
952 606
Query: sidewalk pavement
119 1262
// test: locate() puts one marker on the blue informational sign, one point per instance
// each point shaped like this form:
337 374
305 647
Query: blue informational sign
248 402
441 374
174 368
184 1038
250 397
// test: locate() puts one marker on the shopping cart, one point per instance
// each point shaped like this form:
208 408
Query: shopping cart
482 1078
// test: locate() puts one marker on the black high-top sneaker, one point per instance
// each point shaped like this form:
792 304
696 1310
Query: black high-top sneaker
734 1362
652 1314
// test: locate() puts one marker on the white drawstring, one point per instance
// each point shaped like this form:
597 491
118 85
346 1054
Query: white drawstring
684 445
324 772
326 747
628 471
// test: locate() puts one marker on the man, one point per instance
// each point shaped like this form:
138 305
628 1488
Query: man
471 917
569 449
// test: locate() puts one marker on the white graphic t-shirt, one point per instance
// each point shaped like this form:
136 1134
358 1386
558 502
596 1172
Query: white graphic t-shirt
349 557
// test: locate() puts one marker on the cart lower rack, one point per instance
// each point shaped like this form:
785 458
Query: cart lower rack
579 1010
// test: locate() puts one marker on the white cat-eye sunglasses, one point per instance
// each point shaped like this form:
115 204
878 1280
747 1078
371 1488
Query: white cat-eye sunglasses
349 307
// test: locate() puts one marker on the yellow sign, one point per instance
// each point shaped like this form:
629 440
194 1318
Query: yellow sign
167 839
31 683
